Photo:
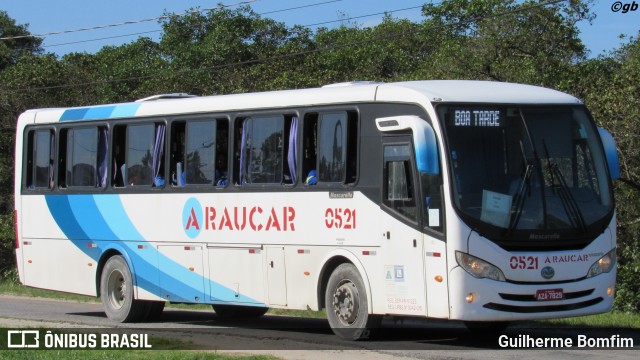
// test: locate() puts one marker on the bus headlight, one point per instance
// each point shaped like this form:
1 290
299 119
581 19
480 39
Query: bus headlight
603 265
478 267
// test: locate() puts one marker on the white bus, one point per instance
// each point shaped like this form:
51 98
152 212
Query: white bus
465 200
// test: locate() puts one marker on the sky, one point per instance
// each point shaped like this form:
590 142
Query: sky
50 16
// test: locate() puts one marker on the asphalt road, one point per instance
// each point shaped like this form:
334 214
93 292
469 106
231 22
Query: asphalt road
301 338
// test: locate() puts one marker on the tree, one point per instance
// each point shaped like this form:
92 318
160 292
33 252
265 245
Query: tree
391 50
610 88
20 41
505 40
19 64
216 52
128 72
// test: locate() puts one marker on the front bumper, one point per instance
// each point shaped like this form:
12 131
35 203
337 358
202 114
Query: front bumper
505 301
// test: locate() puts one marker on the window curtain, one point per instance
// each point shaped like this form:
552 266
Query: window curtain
158 152
292 157
52 158
103 150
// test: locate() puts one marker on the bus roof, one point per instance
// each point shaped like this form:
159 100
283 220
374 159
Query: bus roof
473 91
420 92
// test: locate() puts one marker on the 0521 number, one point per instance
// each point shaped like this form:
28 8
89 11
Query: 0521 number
338 218
524 262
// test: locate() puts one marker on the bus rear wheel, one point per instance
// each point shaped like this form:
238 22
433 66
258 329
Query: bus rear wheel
347 305
237 311
116 292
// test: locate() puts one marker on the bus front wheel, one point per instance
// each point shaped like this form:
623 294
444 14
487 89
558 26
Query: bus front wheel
347 305
116 292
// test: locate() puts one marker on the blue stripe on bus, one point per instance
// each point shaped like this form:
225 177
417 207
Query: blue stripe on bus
73 114
110 207
125 110
102 218
100 112
89 217
60 209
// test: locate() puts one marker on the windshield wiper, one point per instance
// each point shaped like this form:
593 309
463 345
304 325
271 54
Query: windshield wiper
519 203
568 201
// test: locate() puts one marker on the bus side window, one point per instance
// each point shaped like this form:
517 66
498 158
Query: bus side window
177 153
81 157
309 149
398 181
139 154
222 152
63 178
261 150
352 148
118 155
336 143
332 149
200 152
40 159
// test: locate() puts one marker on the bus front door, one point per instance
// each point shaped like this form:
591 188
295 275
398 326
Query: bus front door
404 282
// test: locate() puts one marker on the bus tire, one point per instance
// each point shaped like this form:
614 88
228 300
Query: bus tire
347 305
116 292
237 311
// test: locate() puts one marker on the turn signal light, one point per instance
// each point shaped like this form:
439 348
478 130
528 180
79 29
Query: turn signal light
470 298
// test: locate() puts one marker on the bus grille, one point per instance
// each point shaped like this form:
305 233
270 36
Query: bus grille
542 308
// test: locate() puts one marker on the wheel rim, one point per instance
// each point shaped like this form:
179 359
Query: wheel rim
346 302
116 289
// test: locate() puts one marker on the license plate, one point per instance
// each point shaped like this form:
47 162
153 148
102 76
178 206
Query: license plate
549 295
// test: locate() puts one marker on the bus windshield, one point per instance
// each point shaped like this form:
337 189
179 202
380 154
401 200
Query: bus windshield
527 173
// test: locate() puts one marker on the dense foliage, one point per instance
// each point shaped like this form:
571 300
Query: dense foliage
233 51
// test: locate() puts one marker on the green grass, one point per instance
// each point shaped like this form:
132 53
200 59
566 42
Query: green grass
608 320
12 288
299 313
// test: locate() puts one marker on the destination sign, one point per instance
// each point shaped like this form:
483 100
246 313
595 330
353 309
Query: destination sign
477 118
